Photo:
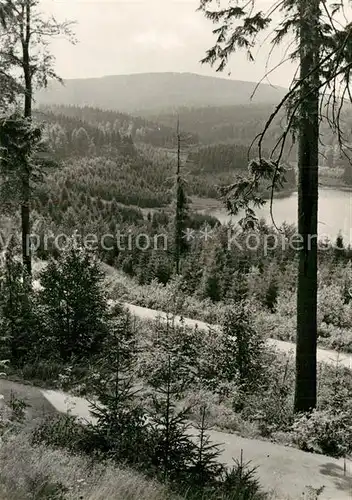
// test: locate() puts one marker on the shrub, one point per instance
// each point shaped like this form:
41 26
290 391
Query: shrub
61 431
330 305
270 404
286 304
334 337
275 326
324 431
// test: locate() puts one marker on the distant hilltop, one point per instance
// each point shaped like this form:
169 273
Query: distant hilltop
156 91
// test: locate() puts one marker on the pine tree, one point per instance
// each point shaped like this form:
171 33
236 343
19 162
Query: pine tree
322 48
24 52
212 282
74 303
171 447
18 308
181 209
243 347
120 430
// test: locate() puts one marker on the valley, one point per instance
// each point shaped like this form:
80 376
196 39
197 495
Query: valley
114 179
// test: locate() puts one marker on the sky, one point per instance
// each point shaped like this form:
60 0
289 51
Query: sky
137 36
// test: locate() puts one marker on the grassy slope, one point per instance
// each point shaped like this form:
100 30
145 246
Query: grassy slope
38 472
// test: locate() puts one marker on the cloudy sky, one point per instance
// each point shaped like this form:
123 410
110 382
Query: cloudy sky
135 36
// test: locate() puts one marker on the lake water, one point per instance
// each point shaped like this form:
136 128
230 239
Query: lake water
335 213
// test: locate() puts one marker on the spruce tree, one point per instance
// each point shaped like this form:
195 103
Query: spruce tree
205 470
322 47
170 444
74 303
24 53
239 289
243 347
22 165
120 431
143 271
19 321
181 209
212 283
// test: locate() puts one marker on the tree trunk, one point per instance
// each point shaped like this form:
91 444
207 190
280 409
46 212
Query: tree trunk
306 362
25 206
178 223
25 223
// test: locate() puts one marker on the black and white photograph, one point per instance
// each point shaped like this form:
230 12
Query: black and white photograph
175 250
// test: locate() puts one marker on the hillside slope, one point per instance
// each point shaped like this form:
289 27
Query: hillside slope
239 123
131 93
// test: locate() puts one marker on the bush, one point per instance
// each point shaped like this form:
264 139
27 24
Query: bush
61 431
334 337
220 413
270 404
275 326
330 306
286 304
324 431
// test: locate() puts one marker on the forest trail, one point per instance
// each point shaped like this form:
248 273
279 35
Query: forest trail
323 355
290 473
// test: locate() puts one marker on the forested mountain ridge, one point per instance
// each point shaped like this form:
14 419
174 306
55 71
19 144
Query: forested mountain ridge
239 122
148 91
104 127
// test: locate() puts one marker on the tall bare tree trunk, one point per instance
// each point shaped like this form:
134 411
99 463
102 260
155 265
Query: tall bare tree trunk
25 206
306 362
178 221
